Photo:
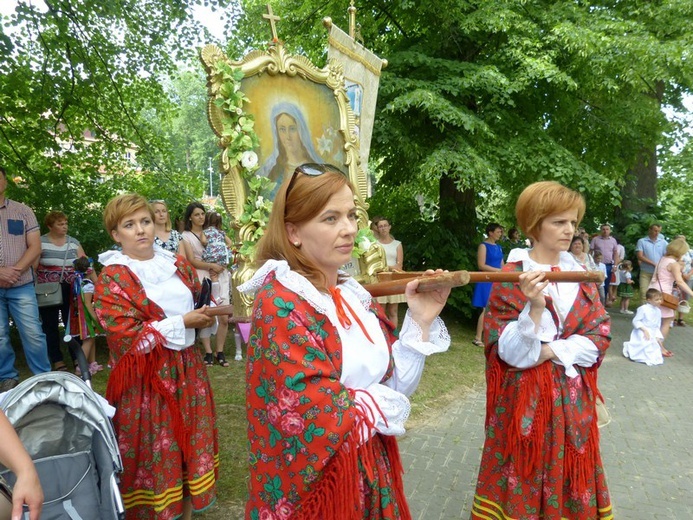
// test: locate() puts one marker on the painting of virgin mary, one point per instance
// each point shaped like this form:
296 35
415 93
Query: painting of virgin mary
293 145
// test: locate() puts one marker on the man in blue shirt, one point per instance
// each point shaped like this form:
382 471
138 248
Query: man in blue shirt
650 250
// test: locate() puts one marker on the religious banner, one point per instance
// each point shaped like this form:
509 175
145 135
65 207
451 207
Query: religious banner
273 111
361 80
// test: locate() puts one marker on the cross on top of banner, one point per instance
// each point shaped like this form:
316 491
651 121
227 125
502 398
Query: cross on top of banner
272 19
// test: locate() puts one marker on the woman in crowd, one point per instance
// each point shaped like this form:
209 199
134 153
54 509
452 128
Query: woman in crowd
514 240
327 381
217 252
196 240
58 252
165 420
544 343
581 256
164 234
667 271
27 487
394 255
489 257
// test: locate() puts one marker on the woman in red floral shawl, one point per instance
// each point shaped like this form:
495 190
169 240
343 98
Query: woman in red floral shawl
544 343
165 419
327 381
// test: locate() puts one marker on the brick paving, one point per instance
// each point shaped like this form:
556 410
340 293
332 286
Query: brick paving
646 449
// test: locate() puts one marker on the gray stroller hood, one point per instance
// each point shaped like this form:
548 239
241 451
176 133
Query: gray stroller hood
57 413
62 424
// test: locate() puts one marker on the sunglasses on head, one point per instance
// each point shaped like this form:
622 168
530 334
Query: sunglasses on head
157 201
312 169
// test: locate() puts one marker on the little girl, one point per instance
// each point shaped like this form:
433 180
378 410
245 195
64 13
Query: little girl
646 343
625 285
83 322
601 267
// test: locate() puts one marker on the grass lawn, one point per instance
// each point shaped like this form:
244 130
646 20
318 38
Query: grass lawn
446 377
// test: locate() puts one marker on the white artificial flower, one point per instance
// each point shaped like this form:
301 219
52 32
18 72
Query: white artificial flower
239 111
249 160
365 244
259 202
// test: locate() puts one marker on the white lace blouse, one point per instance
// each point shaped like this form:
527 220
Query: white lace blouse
520 343
364 363
163 286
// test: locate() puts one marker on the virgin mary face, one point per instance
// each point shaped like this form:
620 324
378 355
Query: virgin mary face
287 129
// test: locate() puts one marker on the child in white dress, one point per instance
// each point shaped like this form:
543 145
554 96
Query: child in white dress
646 343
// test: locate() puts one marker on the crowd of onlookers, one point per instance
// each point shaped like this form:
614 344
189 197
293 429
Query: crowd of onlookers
28 257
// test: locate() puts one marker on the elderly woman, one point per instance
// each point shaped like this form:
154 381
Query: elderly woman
327 381
165 419
544 343
667 271
58 252
581 256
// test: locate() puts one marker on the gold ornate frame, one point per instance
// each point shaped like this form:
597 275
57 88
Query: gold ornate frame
273 62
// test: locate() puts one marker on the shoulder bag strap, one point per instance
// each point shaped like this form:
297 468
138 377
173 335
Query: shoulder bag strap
67 250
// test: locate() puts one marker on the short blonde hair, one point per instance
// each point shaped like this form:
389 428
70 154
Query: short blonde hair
542 199
121 206
677 248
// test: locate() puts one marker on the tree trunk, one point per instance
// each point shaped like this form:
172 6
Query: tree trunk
639 193
458 210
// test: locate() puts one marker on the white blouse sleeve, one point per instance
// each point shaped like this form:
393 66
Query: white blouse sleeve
520 344
173 330
410 352
386 408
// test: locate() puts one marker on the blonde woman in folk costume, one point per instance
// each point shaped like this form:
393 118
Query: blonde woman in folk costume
293 145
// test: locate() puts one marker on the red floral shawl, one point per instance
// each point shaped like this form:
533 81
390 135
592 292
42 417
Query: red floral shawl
529 395
307 459
122 307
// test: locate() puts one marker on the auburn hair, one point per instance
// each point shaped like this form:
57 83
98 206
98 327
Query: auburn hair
542 199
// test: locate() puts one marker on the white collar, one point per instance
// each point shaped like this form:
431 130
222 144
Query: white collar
299 284
566 261
157 269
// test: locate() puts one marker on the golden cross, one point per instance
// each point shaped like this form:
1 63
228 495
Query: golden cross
272 19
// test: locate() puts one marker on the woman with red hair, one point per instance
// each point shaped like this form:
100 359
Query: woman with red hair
544 343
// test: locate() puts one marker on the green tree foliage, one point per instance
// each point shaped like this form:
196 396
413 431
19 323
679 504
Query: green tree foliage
70 67
483 97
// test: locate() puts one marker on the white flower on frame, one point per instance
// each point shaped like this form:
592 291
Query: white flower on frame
365 244
259 202
249 159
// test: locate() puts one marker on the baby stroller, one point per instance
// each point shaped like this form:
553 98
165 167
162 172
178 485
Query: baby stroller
65 429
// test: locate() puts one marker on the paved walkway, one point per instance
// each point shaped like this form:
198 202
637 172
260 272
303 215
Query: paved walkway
647 448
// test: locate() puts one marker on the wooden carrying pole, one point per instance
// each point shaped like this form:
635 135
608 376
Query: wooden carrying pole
398 281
